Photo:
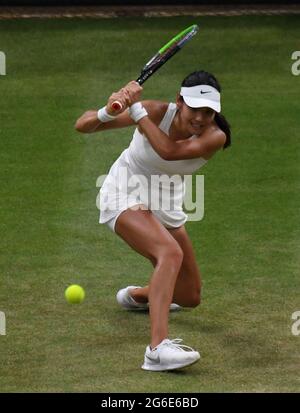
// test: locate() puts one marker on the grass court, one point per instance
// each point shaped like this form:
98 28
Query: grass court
247 245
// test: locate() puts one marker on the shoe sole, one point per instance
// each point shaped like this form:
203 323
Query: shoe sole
168 368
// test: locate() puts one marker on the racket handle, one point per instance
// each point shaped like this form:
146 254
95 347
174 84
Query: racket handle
116 105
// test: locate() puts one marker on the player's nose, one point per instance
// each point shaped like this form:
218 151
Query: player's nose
199 116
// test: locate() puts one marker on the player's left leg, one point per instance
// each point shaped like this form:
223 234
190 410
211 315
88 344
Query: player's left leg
187 291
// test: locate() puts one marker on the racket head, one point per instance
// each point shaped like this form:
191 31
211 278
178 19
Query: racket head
167 51
180 39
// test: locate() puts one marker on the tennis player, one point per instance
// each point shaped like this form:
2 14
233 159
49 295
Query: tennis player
170 139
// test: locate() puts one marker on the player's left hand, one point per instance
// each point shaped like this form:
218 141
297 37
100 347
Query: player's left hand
133 92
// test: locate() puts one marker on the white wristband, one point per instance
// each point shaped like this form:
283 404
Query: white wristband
137 112
103 116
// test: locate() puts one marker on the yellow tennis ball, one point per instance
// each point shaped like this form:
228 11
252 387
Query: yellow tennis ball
74 294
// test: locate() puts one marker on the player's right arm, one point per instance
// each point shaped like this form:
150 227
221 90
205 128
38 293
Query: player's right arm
89 122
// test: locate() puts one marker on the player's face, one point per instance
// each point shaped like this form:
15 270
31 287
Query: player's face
196 119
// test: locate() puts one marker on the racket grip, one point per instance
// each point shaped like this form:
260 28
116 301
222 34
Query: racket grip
116 105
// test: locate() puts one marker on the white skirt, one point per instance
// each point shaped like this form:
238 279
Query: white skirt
122 190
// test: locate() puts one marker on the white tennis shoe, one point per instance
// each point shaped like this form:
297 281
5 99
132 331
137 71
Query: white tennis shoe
126 301
169 355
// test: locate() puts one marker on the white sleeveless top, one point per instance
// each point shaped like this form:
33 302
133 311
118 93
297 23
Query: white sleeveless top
140 159
143 158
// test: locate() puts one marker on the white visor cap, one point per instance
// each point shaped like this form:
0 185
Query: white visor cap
202 96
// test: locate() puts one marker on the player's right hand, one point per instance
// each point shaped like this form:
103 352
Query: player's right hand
122 97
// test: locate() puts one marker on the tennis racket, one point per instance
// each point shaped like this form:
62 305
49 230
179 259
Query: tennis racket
162 56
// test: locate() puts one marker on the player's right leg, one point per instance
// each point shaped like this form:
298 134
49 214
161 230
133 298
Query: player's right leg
145 234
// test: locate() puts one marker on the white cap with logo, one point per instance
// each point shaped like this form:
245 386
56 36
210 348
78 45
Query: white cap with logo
202 96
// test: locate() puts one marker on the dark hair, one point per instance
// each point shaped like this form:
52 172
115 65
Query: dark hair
204 78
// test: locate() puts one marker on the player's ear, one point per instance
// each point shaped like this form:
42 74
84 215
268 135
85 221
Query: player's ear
179 101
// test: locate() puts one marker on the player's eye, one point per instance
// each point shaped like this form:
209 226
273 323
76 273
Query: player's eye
209 112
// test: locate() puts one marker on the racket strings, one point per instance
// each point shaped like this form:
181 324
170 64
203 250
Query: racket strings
166 52
179 42
160 59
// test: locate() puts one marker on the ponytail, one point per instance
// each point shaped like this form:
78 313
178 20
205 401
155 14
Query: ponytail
222 123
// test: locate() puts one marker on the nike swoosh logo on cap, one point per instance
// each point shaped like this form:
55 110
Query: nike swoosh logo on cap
201 91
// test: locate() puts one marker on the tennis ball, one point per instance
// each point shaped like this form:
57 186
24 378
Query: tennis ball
74 294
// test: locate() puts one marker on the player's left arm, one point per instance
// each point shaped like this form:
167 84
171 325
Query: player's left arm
211 140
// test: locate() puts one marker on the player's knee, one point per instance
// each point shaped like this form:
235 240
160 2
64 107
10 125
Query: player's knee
195 298
194 301
171 254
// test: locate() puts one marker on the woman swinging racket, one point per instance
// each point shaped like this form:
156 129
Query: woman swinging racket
170 139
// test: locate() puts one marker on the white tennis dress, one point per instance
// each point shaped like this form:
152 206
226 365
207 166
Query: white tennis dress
141 176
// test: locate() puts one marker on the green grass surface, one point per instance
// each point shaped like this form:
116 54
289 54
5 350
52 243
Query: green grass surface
247 245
